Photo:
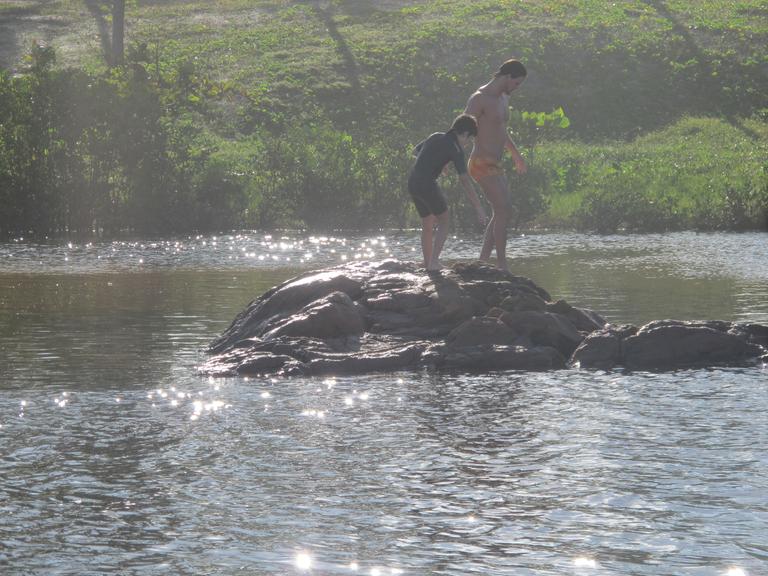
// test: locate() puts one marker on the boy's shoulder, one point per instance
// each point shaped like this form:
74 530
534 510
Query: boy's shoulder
482 97
434 137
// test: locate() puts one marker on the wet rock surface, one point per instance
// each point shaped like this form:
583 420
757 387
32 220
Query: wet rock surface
671 344
391 315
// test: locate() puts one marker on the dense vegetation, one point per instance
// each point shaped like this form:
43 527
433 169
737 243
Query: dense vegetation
271 114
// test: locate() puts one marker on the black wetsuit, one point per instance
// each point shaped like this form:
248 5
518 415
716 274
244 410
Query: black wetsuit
432 155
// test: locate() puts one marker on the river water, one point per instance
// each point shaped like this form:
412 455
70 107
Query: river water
117 458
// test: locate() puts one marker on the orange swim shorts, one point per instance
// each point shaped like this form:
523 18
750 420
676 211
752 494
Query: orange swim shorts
480 168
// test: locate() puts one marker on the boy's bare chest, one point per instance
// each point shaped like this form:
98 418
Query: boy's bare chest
497 110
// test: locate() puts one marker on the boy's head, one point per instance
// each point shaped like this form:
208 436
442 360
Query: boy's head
464 125
513 68
513 73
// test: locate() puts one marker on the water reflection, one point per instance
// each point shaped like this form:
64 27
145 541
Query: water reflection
227 251
116 458
695 255
492 474
628 278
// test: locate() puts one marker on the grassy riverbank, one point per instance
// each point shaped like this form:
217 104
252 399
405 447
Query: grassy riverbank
268 113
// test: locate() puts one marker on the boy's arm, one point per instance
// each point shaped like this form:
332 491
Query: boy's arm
469 188
474 105
520 165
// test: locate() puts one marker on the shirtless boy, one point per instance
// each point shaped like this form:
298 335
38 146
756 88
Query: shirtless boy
432 155
490 105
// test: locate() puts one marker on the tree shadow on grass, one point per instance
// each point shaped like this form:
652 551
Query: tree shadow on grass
95 8
348 63
709 83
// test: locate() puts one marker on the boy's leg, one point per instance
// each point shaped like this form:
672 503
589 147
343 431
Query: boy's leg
495 189
427 226
487 247
440 235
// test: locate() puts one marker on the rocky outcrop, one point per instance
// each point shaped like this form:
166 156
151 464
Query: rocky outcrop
391 315
670 344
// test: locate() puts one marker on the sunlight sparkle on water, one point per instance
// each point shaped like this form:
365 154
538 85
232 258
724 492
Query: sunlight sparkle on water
584 562
303 561
736 571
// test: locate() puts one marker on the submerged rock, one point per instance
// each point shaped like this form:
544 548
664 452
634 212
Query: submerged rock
391 315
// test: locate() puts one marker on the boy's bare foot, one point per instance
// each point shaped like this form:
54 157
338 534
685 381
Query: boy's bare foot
435 266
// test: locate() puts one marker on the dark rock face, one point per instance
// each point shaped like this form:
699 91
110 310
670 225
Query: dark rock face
670 344
601 349
391 315
283 300
332 316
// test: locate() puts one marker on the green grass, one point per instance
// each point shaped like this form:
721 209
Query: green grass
665 98
609 64
700 173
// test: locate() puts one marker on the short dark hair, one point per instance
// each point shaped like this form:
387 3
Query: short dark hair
465 124
513 68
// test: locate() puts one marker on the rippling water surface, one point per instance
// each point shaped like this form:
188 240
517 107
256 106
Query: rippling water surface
116 458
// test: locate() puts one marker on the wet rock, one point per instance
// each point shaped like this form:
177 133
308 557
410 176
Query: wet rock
523 302
484 358
257 356
545 329
285 299
263 363
602 349
753 333
671 344
332 316
584 320
380 360
485 330
392 315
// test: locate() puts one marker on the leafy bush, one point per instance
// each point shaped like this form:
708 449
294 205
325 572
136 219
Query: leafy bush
700 173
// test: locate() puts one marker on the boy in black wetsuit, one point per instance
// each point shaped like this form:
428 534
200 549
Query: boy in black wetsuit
432 155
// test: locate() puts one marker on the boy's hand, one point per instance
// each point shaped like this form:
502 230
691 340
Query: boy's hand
520 166
481 216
